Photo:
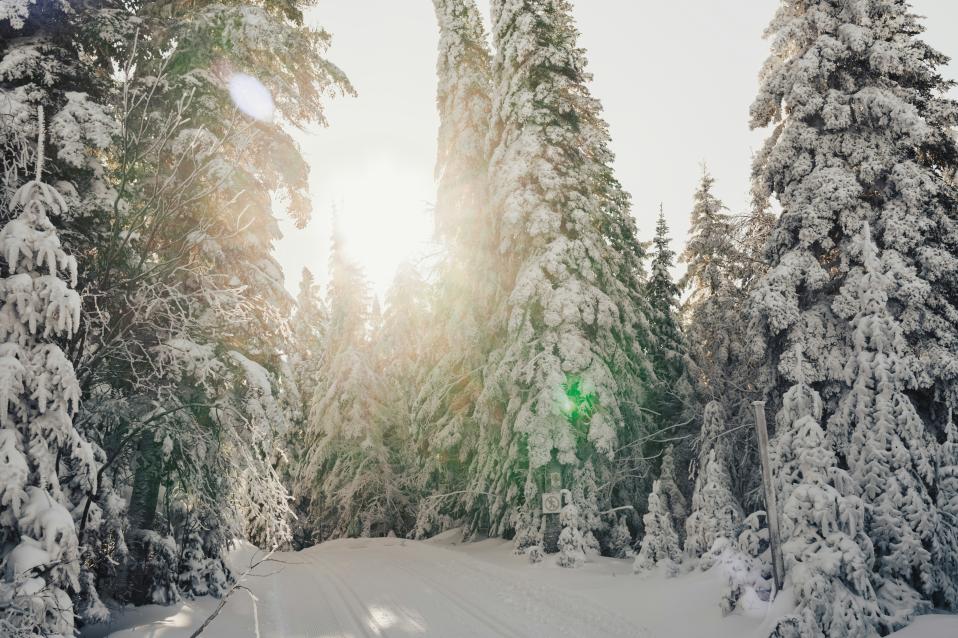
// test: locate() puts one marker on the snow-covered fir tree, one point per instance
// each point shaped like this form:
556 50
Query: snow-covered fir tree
310 324
673 399
346 477
463 100
861 134
309 329
947 503
716 327
878 429
710 253
565 384
44 457
716 513
406 357
828 555
671 492
660 544
466 275
44 59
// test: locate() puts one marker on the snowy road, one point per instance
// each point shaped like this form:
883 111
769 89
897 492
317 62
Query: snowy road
365 588
390 588
394 588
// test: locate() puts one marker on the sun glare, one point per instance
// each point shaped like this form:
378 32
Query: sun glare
385 219
383 214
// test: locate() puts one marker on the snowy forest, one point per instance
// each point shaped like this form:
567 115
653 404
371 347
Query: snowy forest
547 380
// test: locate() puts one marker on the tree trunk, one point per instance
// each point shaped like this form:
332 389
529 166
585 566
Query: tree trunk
132 580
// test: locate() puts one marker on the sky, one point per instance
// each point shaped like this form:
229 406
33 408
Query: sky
675 79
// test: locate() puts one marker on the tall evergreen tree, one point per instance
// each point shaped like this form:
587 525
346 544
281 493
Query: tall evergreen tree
713 308
892 109
827 552
406 358
345 475
59 56
672 400
309 329
716 326
566 384
46 462
671 492
879 431
711 254
466 275
861 135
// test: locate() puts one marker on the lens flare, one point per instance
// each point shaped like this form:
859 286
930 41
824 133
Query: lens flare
251 97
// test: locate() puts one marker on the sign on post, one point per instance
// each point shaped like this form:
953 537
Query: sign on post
551 503
771 502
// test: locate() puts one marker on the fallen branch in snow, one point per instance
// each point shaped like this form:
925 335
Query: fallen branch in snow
236 586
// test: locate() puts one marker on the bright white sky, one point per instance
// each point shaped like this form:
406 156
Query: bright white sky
676 80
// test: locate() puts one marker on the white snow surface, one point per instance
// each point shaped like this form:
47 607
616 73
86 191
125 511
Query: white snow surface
391 587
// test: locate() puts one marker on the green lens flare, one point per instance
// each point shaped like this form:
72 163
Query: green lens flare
576 404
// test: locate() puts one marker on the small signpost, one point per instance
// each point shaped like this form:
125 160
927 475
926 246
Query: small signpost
551 503
551 507
771 504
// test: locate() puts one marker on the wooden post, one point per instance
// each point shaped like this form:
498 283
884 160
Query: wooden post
771 502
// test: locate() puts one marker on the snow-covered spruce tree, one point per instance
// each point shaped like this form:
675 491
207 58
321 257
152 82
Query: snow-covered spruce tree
620 538
710 255
672 400
42 451
405 358
947 502
670 358
671 493
861 134
881 434
464 103
41 48
715 511
310 324
716 325
565 385
660 545
716 515
347 474
828 555
310 328
466 274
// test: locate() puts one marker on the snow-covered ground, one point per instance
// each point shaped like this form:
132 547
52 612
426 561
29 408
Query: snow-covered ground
393 587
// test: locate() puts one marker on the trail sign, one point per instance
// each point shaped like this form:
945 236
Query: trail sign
551 502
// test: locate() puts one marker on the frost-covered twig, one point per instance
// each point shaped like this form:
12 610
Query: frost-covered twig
237 586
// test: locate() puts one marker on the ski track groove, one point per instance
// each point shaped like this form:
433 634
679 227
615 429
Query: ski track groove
581 617
470 609
477 612
404 589
341 588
